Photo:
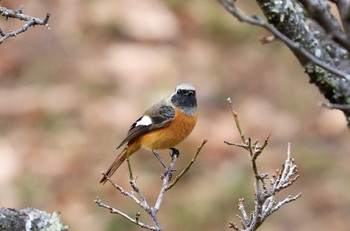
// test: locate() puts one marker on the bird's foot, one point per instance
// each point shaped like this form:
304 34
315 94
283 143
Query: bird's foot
175 152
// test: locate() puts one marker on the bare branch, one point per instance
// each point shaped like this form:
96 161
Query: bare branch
285 201
335 106
246 218
264 197
178 177
315 37
126 216
235 117
137 196
30 21
295 46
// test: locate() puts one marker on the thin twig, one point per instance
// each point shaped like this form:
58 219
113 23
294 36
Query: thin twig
235 117
285 201
126 216
142 201
237 145
137 196
264 197
243 211
341 107
166 180
31 21
178 177
295 46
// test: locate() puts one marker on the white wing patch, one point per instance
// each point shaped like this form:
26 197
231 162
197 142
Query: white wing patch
144 121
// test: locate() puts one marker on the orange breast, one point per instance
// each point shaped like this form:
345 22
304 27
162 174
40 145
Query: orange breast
173 134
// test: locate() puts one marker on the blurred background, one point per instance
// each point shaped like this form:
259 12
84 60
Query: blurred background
68 96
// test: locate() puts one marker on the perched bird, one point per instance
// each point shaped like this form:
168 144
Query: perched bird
162 126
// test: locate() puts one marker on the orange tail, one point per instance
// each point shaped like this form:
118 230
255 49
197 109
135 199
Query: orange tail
114 166
128 150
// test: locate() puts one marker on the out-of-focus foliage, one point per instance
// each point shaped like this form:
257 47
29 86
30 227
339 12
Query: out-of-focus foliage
68 96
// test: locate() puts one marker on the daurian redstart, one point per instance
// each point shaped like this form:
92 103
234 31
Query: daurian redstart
162 126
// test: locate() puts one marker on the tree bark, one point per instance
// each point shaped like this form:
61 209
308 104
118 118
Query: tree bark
30 219
316 30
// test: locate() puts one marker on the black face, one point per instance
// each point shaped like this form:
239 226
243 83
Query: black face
184 98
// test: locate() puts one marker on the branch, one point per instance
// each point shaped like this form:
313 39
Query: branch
126 216
178 177
235 117
264 197
316 39
295 46
137 196
31 21
319 10
335 106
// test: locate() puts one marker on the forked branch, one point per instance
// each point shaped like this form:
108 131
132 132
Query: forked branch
266 188
30 21
317 38
138 197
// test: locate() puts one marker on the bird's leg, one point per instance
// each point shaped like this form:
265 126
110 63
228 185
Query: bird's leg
174 155
158 158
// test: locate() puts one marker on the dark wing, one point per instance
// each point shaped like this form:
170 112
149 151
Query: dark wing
161 115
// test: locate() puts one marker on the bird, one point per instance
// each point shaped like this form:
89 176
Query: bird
163 126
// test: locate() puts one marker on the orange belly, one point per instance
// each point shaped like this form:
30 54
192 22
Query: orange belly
170 136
